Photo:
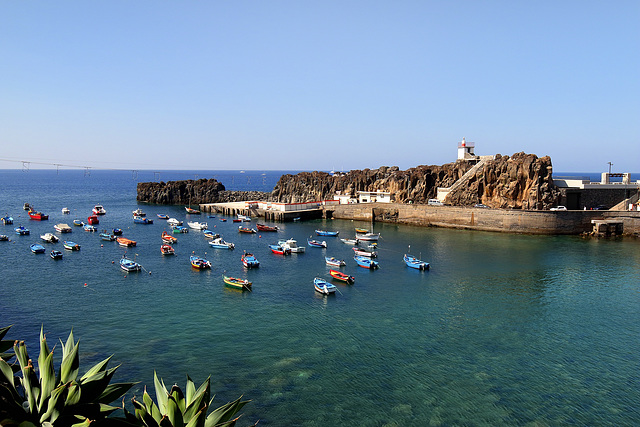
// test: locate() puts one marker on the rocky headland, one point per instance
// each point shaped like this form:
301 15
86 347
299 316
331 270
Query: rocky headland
521 181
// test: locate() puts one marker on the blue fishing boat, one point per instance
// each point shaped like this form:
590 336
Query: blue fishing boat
414 262
209 234
55 254
89 227
316 243
72 246
117 231
218 243
78 222
129 265
162 216
250 261
180 229
142 220
323 286
22 231
37 248
7 220
199 263
366 262
107 236
327 233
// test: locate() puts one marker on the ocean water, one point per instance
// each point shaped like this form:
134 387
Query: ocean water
503 330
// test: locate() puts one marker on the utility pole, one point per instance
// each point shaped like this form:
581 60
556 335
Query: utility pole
610 164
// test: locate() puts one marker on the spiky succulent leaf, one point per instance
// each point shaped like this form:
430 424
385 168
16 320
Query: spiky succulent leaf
94 386
6 373
143 414
176 393
5 345
47 378
98 367
114 392
190 390
173 412
224 413
151 406
161 393
198 403
29 379
55 403
74 393
198 419
70 361
85 423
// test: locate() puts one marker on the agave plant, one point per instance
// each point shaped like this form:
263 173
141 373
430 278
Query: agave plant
175 409
44 398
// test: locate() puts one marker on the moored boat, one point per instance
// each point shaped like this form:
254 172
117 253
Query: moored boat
349 241
93 219
368 236
38 216
37 248
22 231
198 225
55 254
364 252
167 249
366 262
174 221
218 243
199 263
7 220
277 249
209 234
323 286
66 211
263 227
361 230
49 237
162 216
334 261
26 207
249 260
168 238
127 243
142 220
98 210
78 223
327 233
191 211
338 275
72 246
62 228
244 218
177 229
4 238
89 227
117 231
129 265
316 243
138 212
236 283
107 236
292 245
248 230
414 262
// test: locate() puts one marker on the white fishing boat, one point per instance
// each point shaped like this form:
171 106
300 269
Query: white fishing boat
197 225
173 221
66 211
49 237
292 245
62 228
368 236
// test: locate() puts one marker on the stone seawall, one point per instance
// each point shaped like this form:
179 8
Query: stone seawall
510 221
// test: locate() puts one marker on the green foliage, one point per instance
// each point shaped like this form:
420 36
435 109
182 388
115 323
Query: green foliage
44 398
177 409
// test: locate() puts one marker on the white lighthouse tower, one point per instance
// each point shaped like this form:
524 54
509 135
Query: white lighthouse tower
465 150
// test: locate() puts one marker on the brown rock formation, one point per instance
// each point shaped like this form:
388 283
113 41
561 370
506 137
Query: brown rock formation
520 181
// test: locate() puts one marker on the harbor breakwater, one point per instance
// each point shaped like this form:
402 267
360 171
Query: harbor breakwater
502 220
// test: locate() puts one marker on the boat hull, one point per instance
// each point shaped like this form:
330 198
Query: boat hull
342 277
235 283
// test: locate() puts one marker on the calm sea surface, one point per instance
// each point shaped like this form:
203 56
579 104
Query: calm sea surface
503 330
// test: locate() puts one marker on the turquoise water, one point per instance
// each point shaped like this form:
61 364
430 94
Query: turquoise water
503 330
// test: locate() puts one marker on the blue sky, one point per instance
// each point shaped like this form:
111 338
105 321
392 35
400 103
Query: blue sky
306 85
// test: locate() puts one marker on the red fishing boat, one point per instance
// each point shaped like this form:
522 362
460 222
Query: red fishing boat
38 216
342 277
263 227
93 219
167 250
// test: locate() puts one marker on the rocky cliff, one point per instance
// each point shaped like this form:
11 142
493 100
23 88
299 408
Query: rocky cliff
520 181
192 192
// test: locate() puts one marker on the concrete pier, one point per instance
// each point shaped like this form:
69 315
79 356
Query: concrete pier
240 208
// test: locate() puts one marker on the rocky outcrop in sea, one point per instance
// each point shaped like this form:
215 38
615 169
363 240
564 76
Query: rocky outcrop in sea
522 181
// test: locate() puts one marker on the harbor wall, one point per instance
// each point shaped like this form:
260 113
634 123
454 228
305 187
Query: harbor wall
502 220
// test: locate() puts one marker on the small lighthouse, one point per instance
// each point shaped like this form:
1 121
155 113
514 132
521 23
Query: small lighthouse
465 150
